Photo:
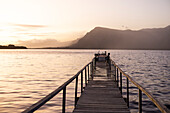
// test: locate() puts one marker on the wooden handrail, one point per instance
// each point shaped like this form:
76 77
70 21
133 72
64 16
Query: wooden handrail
41 102
161 107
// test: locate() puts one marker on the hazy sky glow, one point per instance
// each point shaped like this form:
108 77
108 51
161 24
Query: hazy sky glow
24 20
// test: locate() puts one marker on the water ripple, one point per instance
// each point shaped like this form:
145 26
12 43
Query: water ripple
29 75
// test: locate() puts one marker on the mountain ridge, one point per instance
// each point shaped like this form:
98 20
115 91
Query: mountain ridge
106 38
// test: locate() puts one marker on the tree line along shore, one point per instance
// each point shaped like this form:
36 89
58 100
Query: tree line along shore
11 46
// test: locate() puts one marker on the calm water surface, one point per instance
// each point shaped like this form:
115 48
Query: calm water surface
28 75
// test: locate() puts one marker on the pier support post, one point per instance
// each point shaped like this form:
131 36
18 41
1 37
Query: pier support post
81 81
85 76
127 101
115 69
109 64
64 100
76 87
88 73
117 77
115 73
120 82
92 70
140 101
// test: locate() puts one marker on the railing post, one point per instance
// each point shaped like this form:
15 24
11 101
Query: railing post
92 67
115 69
64 100
120 82
76 87
115 72
140 101
109 64
117 77
92 70
94 60
82 81
88 72
85 76
127 101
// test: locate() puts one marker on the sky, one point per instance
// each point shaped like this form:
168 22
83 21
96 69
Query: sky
32 21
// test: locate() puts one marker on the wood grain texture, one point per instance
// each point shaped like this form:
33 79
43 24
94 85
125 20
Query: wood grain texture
101 94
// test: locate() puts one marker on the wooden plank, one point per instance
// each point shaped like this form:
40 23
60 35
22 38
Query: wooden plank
101 94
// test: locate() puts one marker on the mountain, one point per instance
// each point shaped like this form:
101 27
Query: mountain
46 43
105 38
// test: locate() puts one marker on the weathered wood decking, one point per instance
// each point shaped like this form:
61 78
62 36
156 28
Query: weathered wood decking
101 95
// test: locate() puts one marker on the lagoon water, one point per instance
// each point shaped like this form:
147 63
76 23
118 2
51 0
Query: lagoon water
28 75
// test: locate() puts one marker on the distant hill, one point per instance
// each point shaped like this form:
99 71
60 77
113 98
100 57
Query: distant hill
46 43
105 38
11 46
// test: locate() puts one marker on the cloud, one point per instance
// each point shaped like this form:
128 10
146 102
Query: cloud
30 26
67 36
38 34
38 43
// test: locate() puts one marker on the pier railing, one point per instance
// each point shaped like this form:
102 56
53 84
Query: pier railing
85 74
118 77
87 70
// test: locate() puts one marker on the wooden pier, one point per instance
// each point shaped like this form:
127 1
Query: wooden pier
101 95
101 89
